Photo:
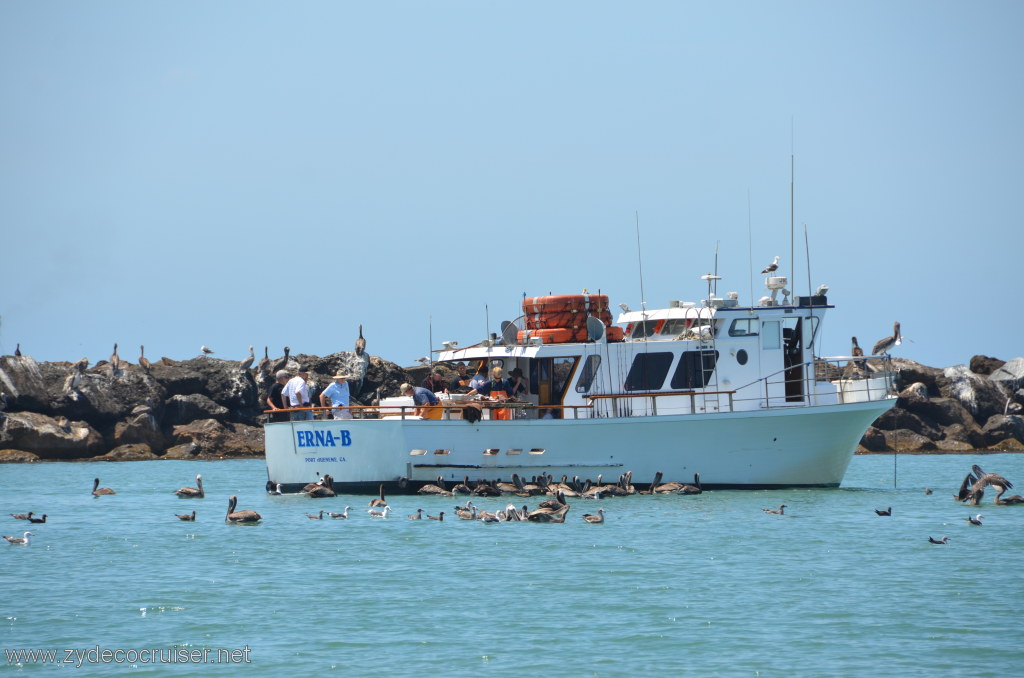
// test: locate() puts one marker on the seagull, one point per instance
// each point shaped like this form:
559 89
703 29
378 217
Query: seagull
423 361
206 349
360 342
340 516
883 345
975 520
885 512
383 513
944 540
772 267
591 518
20 541
777 511
273 488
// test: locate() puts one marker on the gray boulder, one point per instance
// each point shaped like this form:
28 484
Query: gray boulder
1010 374
182 409
981 396
48 437
1002 427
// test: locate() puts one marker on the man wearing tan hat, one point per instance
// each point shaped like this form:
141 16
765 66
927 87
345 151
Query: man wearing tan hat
338 396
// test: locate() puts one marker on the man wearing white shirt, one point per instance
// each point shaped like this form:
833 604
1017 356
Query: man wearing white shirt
296 393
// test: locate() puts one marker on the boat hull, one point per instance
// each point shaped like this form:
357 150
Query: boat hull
771 448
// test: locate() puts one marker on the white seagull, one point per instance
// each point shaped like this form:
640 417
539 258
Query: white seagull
20 541
772 267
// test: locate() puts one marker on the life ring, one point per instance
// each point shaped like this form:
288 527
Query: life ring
613 333
555 319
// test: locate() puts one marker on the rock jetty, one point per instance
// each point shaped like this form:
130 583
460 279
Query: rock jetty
207 408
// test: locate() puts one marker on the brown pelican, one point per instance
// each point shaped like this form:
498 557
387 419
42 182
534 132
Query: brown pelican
192 492
856 351
772 267
187 517
324 490
417 516
115 360
965 488
467 516
206 349
37 520
317 516
379 513
439 516
360 342
312 486
974 520
591 518
884 512
548 516
143 360
240 517
485 489
437 489
264 365
467 509
282 363
1013 499
777 511
340 516
883 345
692 489
22 516
984 480
379 501
944 540
461 488
247 363
97 490
20 541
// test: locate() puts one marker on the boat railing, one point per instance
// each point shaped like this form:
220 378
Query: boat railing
521 410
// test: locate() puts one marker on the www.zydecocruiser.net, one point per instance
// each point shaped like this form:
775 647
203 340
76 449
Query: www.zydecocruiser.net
79 657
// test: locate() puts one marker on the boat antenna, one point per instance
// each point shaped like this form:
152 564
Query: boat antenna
487 320
640 265
430 338
750 250
717 242
807 250
792 180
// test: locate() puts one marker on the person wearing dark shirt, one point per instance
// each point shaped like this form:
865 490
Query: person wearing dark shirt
434 381
460 384
274 399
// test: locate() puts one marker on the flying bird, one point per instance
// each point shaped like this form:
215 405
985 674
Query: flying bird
883 345
206 349
772 267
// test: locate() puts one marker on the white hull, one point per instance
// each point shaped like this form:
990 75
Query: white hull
781 447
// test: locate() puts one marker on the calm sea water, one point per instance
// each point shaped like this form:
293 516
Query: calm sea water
681 585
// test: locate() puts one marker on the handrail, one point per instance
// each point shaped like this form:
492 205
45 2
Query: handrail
483 404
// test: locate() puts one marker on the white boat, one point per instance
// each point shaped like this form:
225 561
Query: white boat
736 394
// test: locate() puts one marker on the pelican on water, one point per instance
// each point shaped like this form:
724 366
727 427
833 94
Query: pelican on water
240 517
97 490
777 511
192 492
187 517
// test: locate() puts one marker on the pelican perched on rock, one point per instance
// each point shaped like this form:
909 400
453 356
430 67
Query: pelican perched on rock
772 267
778 511
591 518
115 361
192 492
379 513
240 517
17 351
264 365
143 360
360 342
884 512
883 345
188 517
944 540
281 363
247 362
20 541
340 516
99 491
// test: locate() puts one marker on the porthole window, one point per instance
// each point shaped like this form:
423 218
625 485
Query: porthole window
741 357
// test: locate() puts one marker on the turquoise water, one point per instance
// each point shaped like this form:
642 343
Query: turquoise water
674 585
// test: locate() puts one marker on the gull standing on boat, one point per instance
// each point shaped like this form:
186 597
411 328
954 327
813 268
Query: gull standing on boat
20 541
883 345
772 267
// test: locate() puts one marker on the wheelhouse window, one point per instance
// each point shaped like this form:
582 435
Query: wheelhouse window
770 338
694 370
648 371
644 329
744 327
588 373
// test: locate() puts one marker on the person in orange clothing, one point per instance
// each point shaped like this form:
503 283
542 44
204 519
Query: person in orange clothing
497 389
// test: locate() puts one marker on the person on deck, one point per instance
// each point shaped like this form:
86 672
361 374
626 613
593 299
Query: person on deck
274 399
480 377
497 389
460 383
296 393
427 404
337 396
435 380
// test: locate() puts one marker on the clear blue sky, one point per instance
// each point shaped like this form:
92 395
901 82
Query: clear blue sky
224 173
